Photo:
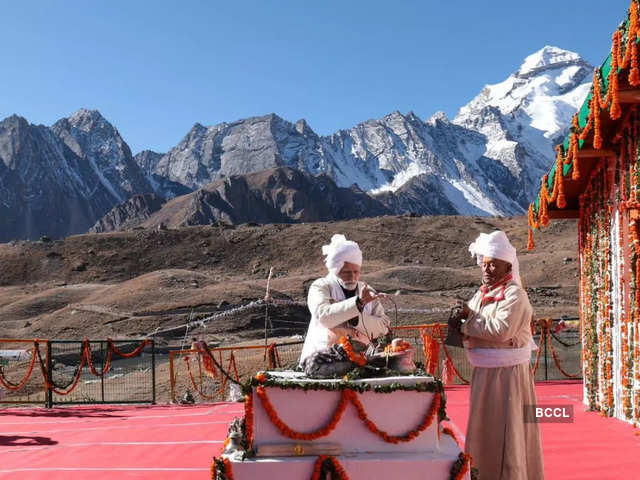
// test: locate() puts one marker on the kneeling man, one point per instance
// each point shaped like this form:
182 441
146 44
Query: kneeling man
340 304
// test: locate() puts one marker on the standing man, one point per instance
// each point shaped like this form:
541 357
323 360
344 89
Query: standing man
340 304
496 329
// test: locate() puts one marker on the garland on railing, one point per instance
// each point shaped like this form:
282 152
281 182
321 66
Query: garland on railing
17 386
197 388
274 358
48 381
555 358
85 358
546 338
431 346
107 363
134 353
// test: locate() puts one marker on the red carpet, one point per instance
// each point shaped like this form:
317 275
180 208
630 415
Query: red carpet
112 442
177 442
590 448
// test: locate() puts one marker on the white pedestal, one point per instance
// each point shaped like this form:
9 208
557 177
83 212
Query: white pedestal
396 413
362 466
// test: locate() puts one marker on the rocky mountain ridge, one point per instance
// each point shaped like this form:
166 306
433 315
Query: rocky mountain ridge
61 180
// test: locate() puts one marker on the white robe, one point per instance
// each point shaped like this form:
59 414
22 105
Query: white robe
503 445
329 309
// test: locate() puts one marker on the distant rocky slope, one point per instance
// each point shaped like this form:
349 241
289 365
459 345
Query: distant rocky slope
59 180
129 214
280 195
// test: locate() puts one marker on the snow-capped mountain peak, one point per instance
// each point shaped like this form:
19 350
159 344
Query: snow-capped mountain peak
488 159
548 57
87 120
524 116
439 116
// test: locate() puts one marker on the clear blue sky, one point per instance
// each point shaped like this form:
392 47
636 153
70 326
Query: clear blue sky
155 68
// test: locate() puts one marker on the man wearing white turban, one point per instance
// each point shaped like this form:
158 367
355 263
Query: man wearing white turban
339 303
502 439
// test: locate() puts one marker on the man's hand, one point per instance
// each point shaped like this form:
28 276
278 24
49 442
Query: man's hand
461 310
344 331
367 294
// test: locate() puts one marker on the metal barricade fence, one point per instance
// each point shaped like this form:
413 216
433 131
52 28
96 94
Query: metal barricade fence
57 372
21 380
560 349
192 371
558 358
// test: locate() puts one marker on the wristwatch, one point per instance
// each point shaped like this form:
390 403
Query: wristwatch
359 304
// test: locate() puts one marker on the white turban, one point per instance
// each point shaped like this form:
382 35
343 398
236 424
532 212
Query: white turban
496 245
341 250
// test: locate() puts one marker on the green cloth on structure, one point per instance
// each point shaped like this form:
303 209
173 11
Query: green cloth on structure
604 72
583 113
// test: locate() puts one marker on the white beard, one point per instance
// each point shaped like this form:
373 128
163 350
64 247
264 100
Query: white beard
347 286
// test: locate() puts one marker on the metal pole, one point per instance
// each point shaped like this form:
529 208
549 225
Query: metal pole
49 401
153 371
171 377
546 371
102 377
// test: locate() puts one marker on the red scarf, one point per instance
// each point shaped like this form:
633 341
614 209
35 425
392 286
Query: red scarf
486 299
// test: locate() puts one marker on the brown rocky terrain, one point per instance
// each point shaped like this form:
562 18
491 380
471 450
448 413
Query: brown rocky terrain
130 284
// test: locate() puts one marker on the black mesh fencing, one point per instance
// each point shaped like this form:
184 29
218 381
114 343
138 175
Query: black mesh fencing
56 372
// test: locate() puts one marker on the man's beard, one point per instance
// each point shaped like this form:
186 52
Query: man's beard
347 286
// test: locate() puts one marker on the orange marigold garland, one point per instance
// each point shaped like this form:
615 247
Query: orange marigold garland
221 468
308 436
407 437
48 381
452 434
431 346
17 386
248 419
328 464
451 365
614 111
197 388
561 201
347 396
357 358
461 466
135 352
92 368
